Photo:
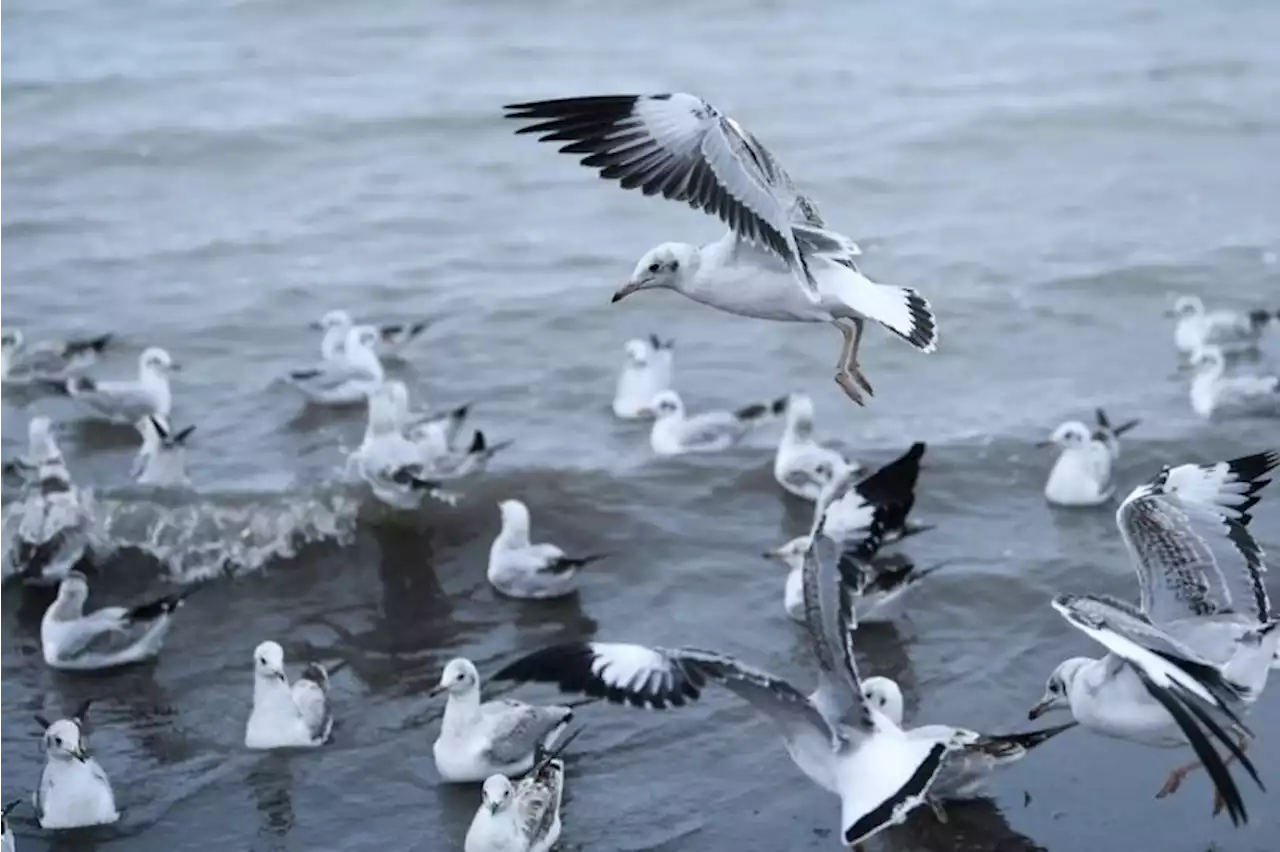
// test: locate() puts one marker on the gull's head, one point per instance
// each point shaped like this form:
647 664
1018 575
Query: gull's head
884 695
39 430
1188 306
458 678
74 588
156 360
667 404
1207 356
335 319
497 793
1057 691
638 352
63 740
1073 433
268 662
515 515
361 337
792 553
800 413
661 267
11 340
384 411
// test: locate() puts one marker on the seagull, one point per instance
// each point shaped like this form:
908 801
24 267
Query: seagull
645 374
521 817
72 640
1082 474
803 467
436 438
47 359
285 716
56 523
162 460
6 833
461 462
479 740
879 771
519 569
346 381
127 401
74 791
674 433
1235 330
388 461
777 261
391 337
964 773
848 505
1211 391
1199 644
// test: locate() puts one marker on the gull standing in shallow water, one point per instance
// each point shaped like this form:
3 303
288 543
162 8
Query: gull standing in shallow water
162 460
674 433
128 401
344 381
645 374
879 771
803 466
285 716
55 530
495 737
74 791
520 569
776 262
1199 645
1081 476
525 816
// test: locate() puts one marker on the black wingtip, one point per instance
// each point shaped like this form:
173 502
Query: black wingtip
751 412
779 406
158 425
1103 422
477 443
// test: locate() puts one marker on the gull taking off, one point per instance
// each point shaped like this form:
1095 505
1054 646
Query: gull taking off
776 262
879 771
645 374
522 816
848 505
162 460
1213 393
56 524
1234 330
73 640
127 401
346 380
391 338
495 737
1199 645
388 461
285 716
520 569
674 433
1081 476
74 791
47 359
803 466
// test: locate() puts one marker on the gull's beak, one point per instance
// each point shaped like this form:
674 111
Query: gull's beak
78 754
492 806
626 290
315 325
1040 709
1043 444
175 366
771 554
1169 312
436 690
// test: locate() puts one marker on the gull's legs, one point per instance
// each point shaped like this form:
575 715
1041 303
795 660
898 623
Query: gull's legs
848 376
851 364
1179 774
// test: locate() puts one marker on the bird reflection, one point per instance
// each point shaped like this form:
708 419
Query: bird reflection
975 825
271 780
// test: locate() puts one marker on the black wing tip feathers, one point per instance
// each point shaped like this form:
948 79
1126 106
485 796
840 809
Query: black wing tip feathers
1028 740
752 412
924 325
569 666
883 813
477 443
316 673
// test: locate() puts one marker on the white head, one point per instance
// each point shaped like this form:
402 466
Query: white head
1073 433
155 360
667 404
73 591
515 516
638 352
1208 357
663 267
11 340
1057 691
458 678
792 553
884 695
268 662
335 319
63 740
41 444
384 411
497 793
800 414
360 340
1188 306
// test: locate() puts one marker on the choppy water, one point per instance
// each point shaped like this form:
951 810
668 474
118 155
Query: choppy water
209 177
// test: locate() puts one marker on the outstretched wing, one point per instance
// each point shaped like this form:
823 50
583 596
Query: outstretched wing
829 621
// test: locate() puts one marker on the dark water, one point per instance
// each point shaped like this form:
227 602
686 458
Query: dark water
209 177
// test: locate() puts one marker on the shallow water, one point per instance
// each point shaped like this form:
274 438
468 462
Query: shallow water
211 177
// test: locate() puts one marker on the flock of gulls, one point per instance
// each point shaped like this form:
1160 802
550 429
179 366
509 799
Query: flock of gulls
1180 667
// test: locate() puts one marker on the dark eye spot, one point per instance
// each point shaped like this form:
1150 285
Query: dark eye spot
674 265
654 267
262 660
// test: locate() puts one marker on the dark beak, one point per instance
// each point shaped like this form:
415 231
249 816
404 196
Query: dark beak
315 325
1038 711
1042 444
625 291
436 690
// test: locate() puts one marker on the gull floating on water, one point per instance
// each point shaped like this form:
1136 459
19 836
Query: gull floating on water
478 740
803 466
1081 476
645 374
436 437
879 771
522 816
6 834
48 359
674 433
1234 330
1199 645
285 716
520 569
73 640
74 790
162 459
776 262
965 772
127 401
1213 392
346 380
55 528
849 504
391 338
388 461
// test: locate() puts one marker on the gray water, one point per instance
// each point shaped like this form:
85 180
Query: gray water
209 177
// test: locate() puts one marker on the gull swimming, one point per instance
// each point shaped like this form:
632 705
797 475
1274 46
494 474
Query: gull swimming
127 401
848 505
964 773
48 359
879 771
645 374
1198 646
478 740
55 528
6 833
675 433
1212 392
390 340
388 461
522 816
347 380
520 569
162 460
1234 330
73 640
803 466
777 261
1081 476
285 716
74 790
436 437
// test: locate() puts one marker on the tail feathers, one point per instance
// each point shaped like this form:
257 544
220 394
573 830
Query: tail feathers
166 605
570 563
89 344
317 674
418 327
657 344
1104 424
481 447
900 309
756 411
1014 745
